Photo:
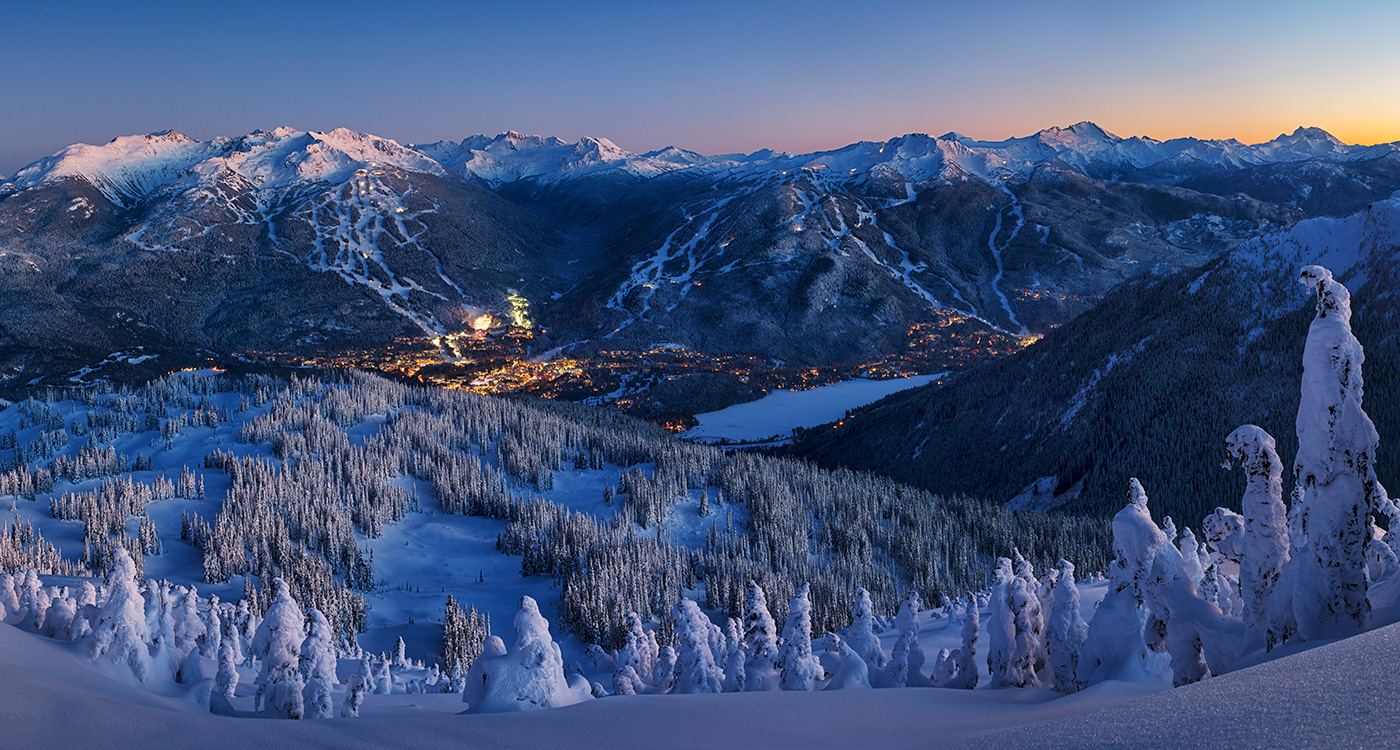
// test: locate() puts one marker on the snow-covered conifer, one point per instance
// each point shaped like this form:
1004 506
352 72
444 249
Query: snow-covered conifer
1115 647
966 656
317 665
760 643
696 668
637 650
120 633
277 644
400 658
356 687
226 682
663 675
733 657
860 635
529 676
383 676
1265 550
1334 470
211 641
800 667
1066 631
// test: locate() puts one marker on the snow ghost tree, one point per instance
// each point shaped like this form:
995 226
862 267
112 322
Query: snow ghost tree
696 670
1334 472
851 671
760 643
905 666
733 658
800 667
1198 637
1115 647
277 643
120 634
860 636
317 665
529 676
1265 550
663 675
356 687
1013 629
965 657
1066 631
637 650
226 681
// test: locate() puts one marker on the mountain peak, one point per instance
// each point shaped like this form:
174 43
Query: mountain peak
1310 134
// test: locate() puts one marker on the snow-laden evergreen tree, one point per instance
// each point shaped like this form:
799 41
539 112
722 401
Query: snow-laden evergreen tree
801 669
1265 550
1034 613
734 657
851 671
356 687
226 681
400 658
760 643
626 681
1012 629
905 665
383 676
945 668
663 675
1334 471
58 619
965 657
188 628
1115 647
317 665
120 634
1199 637
529 676
1066 631
696 668
211 641
638 651
277 645
1193 564
33 601
860 635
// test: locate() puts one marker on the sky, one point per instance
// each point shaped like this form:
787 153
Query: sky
714 76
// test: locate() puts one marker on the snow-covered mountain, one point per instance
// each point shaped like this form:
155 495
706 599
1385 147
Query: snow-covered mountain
1161 366
163 240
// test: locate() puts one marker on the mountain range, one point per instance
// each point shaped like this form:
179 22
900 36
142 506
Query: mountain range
1147 384
285 241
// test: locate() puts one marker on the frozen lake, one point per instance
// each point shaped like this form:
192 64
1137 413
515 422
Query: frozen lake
780 412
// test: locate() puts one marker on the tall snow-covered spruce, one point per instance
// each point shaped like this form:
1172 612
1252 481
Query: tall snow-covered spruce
1334 472
1115 647
1265 522
277 644
121 633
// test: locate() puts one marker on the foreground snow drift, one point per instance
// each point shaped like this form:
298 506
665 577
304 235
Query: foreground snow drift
45 684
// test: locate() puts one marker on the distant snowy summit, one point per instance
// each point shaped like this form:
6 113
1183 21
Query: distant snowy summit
130 167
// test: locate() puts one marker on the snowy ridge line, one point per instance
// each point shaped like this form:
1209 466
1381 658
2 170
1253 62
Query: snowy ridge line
130 167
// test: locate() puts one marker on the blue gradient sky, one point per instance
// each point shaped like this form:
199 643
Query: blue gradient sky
711 76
